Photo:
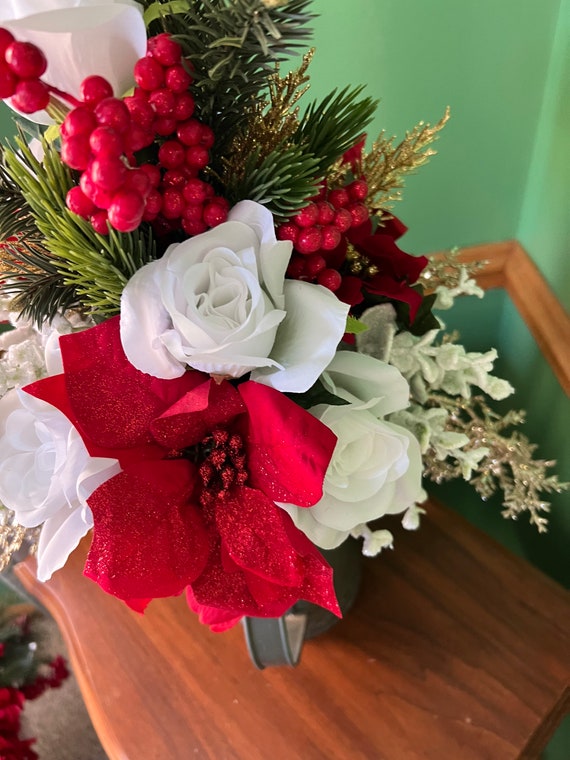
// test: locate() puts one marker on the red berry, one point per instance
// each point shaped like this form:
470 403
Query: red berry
138 180
176 178
25 59
326 213
359 214
296 268
6 39
148 74
113 113
141 111
75 152
173 203
193 213
184 107
126 210
164 126
329 278
307 217
207 138
309 240
31 95
153 205
171 154
108 173
79 203
193 227
8 81
331 237
104 141
138 138
342 220
190 132
195 191
166 50
287 231
162 101
152 172
80 121
101 198
214 214
314 263
177 78
94 89
99 222
197 157
357 190
339 198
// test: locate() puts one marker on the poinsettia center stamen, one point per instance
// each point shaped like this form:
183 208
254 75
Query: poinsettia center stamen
223 465
359 265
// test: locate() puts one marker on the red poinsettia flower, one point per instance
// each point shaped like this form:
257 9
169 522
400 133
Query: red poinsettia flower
203 464
397 270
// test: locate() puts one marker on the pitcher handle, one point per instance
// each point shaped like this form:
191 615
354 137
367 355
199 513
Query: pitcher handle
275 641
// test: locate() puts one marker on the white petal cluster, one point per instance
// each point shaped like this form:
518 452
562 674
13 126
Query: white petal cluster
429 366
466 286
429 427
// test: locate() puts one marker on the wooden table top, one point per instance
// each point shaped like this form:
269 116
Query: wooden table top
455 649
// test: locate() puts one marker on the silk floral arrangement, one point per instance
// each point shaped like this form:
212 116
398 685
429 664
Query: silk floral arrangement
220 360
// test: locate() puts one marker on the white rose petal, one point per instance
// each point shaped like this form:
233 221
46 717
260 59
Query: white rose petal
219 303
376 466
47 475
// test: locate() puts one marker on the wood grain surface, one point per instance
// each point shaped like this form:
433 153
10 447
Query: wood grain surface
455 649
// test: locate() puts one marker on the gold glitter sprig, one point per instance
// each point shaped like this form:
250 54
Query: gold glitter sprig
13 536
387 164
446 269
509 465
271 122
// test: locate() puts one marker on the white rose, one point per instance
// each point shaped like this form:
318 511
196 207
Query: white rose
80 38
376 466
47 475
219 303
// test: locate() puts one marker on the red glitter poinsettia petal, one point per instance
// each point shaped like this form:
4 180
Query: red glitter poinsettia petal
112 401
400 291
218 620
149 540
393 227
197 413
252 531
350 290
288 450
276 565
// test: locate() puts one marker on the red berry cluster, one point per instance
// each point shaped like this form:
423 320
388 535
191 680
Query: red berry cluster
101 137
318 229
21 66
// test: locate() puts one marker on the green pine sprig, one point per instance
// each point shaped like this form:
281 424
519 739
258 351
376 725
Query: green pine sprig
95 267
332 126
282 180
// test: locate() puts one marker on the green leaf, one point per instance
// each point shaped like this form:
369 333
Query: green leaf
155 11
355 326
317 394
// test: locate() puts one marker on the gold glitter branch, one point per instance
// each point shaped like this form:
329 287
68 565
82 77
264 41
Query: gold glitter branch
509 465
446 269
13 536
271 122
387 164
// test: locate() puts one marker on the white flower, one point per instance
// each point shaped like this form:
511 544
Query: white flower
80 38
47 475
376 466
219 303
